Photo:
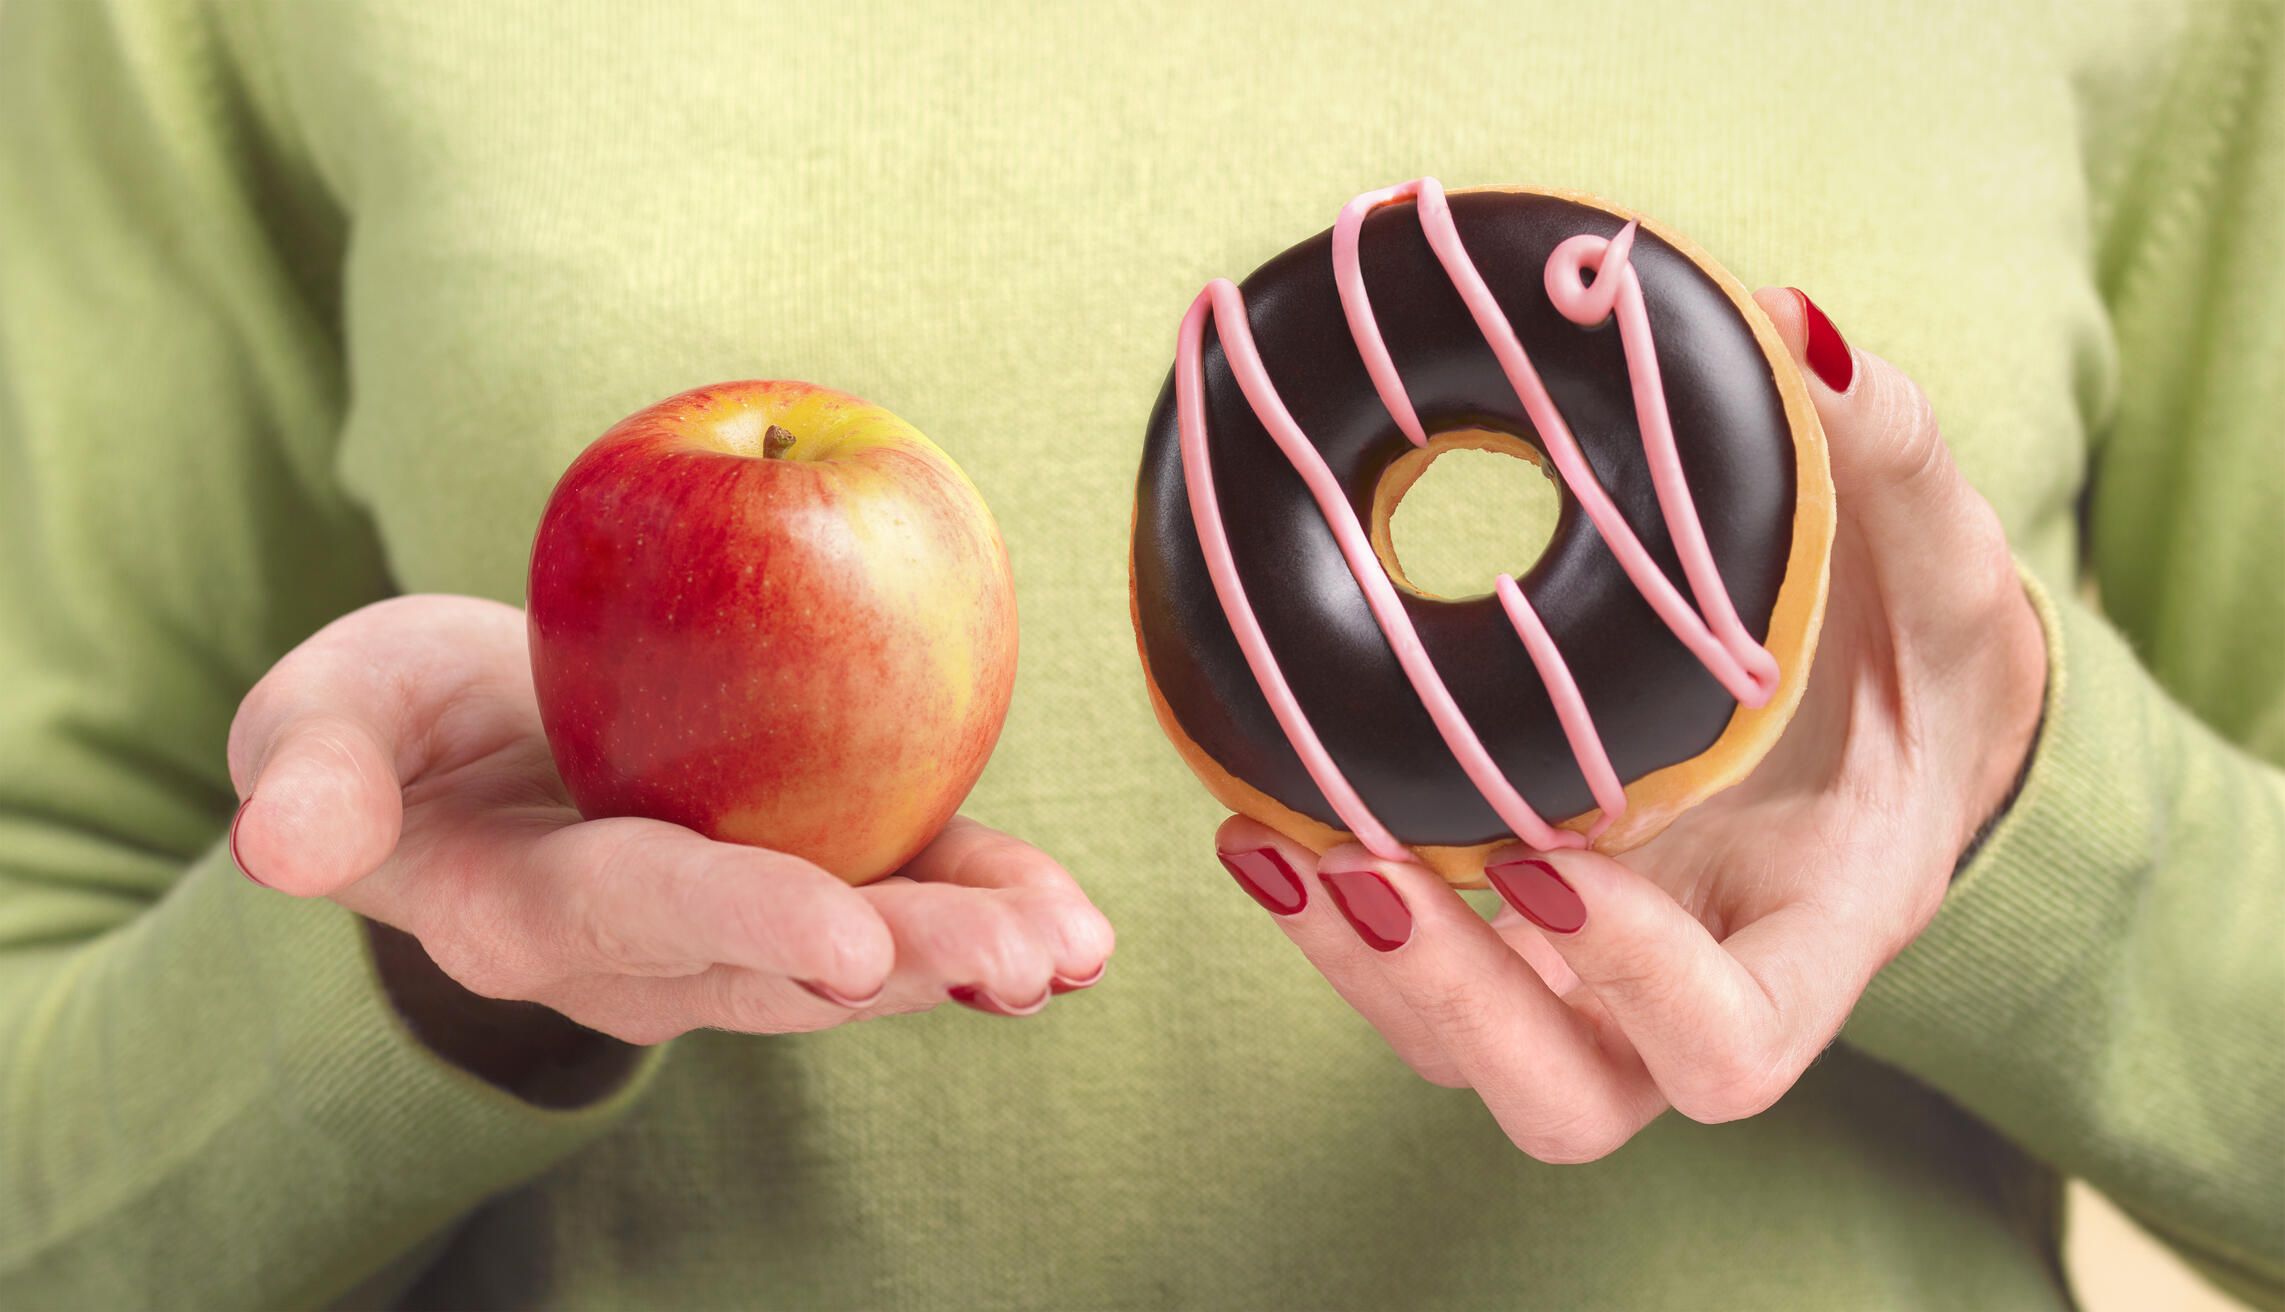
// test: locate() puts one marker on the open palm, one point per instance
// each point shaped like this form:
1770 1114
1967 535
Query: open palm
395 763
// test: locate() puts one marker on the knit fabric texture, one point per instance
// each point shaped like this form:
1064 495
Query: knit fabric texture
305 304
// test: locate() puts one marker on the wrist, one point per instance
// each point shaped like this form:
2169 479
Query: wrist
525 1048
2016 712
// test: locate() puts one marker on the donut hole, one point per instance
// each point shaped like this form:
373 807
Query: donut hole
1451 517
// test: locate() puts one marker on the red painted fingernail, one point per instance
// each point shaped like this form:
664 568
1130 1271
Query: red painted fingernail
970 996
1828 353
1372 907
1062 985
838 998
1264 874
1533 888
236 859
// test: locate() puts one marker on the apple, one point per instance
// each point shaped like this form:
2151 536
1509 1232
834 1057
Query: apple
778 615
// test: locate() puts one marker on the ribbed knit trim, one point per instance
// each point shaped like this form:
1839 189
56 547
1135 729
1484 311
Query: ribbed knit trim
356 1043
427 1139
355 1068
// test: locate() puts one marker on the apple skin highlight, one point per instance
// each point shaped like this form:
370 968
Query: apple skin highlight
808 647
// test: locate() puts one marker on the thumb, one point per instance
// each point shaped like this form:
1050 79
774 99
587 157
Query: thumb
1933 538
1889 457
323 804
1723 1026
322 747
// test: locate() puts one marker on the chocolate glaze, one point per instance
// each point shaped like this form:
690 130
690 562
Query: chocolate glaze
1653 702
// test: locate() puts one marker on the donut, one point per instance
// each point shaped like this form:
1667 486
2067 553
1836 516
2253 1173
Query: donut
1648 659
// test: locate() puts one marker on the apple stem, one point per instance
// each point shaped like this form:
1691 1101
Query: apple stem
775 442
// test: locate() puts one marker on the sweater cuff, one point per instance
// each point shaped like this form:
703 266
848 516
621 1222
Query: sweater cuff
352 1066
341 1082
2045 878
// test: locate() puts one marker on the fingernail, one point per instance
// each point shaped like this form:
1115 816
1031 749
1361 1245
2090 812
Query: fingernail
1828 353
1371 907
1264 874
236 859
970 996
1533 888
1062 985
840 999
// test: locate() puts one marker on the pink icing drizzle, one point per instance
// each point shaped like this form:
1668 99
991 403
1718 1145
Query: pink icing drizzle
1743 666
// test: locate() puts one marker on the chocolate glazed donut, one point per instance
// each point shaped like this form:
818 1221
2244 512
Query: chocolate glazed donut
1595 711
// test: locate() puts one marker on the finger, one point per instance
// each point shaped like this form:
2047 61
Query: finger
321 747
1724 1028
646 898
1279 874
979 856
648 1011
994 949
972 855
1936 545
1538 1065
1528 942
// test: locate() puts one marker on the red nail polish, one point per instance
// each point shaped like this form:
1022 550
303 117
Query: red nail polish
1533 888
838 998
970 996
1828 354
235 859
1372 907
1062 985
1264 874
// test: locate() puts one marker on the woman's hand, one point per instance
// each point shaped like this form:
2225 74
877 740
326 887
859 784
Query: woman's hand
1707 971
394 763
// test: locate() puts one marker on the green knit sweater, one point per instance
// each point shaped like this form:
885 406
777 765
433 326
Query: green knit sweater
304 304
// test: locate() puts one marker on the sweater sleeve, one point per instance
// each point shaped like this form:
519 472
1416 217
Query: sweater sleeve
205 1098
2105 982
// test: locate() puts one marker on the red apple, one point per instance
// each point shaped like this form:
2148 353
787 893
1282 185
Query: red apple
778 615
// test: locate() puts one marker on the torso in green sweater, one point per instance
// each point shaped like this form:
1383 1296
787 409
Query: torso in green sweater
546 215
992 226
